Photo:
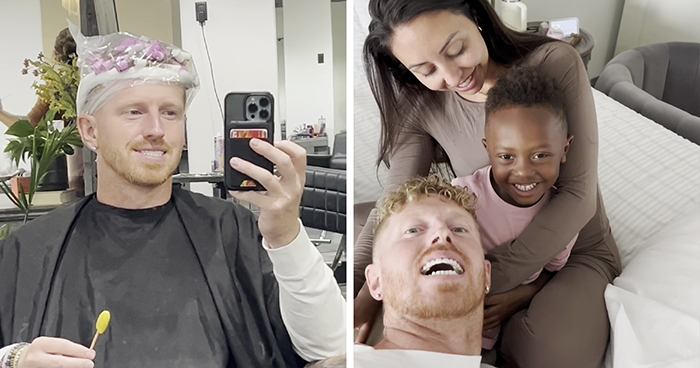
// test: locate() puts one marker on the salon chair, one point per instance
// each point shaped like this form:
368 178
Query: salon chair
336 160
324 202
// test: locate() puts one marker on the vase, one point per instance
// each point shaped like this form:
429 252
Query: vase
56 176
17 181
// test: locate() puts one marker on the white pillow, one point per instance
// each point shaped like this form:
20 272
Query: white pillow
654 306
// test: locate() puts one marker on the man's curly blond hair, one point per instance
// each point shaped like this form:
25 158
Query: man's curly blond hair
414 189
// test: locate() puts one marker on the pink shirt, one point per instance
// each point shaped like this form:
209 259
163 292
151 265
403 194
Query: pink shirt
501 222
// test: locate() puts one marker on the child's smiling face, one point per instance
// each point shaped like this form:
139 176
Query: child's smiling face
525 145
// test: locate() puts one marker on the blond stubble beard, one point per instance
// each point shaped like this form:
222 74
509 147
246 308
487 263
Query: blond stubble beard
139 173
457 306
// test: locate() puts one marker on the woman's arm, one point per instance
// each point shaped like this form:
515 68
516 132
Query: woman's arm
8 119
572 207
38 111
412 157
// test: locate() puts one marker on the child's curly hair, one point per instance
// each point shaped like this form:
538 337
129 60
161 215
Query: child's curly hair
526 87
412 190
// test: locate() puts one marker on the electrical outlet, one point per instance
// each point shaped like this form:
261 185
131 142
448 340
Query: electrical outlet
200 8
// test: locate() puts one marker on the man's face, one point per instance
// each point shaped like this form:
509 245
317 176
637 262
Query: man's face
526 146
430 263
140 133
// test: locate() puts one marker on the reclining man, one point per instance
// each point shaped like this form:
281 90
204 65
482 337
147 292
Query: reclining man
190 281
429 269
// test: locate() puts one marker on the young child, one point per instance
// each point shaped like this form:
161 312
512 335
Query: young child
527 141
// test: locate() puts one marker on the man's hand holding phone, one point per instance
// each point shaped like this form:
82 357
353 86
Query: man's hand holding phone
279 204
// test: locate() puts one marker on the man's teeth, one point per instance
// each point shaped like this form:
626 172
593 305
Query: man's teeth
444 273
440 264
526 188
466 82
153 153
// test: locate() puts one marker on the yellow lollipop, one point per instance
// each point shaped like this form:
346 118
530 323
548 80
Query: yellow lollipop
101 325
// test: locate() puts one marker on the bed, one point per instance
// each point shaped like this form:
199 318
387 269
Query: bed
650 182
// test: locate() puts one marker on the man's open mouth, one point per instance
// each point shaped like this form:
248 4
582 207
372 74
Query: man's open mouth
442 267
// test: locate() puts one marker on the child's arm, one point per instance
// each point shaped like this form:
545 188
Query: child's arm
555 264
559 261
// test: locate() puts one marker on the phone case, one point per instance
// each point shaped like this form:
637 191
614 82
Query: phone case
239 129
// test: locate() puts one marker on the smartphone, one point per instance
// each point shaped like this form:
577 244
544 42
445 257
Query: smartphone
247 115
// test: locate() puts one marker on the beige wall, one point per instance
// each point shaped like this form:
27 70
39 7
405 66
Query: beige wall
53 21
647 22
600 18
157 19
152 18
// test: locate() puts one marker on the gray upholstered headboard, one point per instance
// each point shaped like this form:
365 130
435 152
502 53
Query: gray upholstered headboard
660 81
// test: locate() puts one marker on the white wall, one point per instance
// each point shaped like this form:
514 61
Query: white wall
664 21
15 89
16 94
282 91
243 46
309 85
600 18
339 23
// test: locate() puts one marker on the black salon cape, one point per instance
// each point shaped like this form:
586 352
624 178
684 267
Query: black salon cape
227 243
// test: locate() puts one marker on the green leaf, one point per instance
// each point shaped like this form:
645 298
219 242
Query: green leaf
68 150
22 128
12 145
8 192
25 204
4 231
74 139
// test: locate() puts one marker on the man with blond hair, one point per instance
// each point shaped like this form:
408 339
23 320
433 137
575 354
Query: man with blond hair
190 281
429 270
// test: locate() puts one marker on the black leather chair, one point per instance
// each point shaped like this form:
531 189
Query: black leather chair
336 160
324 202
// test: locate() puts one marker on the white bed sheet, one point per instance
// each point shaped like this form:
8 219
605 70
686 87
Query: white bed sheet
648 175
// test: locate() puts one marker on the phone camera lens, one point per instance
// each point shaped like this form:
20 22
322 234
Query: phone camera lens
264 102
264 114
252 108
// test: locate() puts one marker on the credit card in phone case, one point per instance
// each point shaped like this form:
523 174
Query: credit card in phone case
248 184
248 133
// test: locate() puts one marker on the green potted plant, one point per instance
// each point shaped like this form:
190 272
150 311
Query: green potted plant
41 145
57 89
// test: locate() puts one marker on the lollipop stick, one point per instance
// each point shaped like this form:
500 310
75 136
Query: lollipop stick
94 340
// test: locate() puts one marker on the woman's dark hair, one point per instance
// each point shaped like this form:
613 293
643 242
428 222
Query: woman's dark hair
395 88
64 49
